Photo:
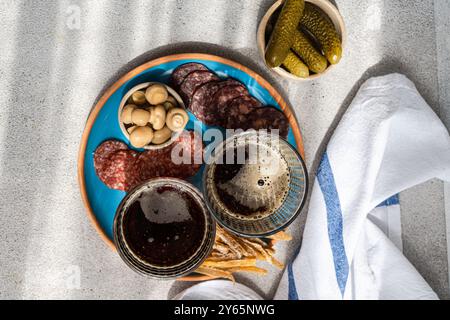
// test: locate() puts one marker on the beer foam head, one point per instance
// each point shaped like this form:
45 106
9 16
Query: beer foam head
260 185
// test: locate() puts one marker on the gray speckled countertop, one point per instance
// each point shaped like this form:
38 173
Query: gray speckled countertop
52 70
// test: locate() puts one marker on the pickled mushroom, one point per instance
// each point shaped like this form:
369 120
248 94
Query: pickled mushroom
177 119
141 136
156 94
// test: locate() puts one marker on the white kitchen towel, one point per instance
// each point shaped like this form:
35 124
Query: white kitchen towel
387 217
388 140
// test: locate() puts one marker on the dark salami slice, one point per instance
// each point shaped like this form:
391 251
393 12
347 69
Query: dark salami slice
193 81
182 71
224 96
237 111
268 118
202 98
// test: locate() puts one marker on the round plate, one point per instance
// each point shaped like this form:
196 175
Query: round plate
100 201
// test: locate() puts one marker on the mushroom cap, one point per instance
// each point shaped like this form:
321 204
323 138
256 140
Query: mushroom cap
138 98
140 117
125 117
161 136
158 117
131 129
156 94
141 136
177 119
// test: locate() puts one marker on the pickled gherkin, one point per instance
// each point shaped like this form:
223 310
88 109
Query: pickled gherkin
283 34
324 31
296 66
313 59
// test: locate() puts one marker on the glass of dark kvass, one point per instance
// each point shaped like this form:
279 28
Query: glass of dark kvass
163 229
255 183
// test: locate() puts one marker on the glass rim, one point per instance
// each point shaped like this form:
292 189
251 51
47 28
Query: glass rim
171 272
284 225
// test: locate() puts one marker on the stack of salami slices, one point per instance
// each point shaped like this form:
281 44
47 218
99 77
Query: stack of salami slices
224 102
121 168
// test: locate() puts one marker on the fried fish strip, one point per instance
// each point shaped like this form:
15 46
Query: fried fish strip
220 257
277 263
248 250
217 256
281 236
248 269
262 253
230 263
270 251
230 241
222 248
258 241
216 273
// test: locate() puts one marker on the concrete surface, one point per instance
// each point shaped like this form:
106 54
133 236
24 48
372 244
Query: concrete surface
53 67
441 9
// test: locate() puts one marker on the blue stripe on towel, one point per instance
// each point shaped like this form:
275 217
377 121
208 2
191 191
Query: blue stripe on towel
292 294
335 221
392 201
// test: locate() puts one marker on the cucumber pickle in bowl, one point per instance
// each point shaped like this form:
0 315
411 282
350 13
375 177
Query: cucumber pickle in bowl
301 39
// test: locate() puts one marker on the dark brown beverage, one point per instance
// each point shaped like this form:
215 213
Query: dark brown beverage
251 188
164 226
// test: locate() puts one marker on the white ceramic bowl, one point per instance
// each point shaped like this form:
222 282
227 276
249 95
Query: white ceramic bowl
125 101
328 8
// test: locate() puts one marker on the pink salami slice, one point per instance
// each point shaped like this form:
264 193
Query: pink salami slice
123 169
120 172
193 81
104 151
180 73
146 165
182 159
186 156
